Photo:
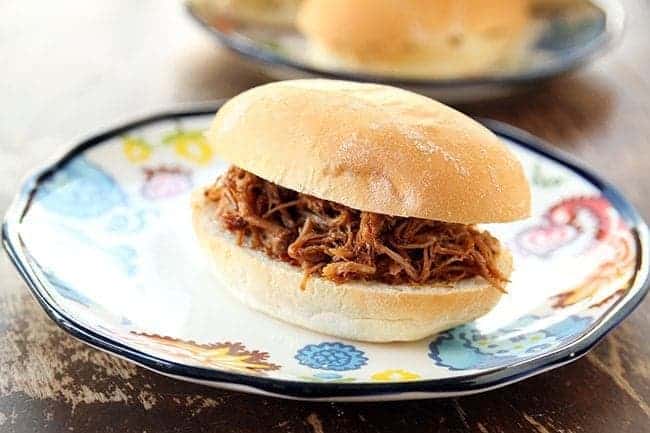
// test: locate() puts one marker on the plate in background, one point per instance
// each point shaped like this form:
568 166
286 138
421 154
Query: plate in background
103 238
564 38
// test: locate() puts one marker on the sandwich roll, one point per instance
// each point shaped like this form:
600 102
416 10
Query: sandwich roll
372 147
420 38
360 310
350 209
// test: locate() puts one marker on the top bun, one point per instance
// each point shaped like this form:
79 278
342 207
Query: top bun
374 148
419 37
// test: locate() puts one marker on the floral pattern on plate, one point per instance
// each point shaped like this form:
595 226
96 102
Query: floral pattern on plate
587 226
328 377
109 235
466 348
165 181
331 356
394 375
223 356
81 189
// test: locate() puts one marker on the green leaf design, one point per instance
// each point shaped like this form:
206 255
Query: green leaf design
275 47
316 379
543 180
177 134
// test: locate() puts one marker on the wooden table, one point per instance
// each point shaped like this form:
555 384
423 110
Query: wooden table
69 67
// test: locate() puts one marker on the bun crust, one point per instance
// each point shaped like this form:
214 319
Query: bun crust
415 37
363 311
374 148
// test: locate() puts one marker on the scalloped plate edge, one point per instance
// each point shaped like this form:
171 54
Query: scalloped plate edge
446 387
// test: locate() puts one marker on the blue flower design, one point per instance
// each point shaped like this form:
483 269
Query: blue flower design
126 256
77 242
129 220
328 376
67 291
331 356
80 190
464 347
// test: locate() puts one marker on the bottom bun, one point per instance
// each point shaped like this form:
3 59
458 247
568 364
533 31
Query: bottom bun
357 310
477 56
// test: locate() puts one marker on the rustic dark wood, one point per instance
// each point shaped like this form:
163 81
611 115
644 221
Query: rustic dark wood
69 67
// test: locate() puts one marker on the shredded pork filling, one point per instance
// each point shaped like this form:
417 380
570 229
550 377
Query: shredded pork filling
342 244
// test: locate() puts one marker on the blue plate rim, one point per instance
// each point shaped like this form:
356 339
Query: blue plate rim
614 27
443 387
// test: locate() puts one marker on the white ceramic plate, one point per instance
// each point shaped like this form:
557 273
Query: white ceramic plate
104 240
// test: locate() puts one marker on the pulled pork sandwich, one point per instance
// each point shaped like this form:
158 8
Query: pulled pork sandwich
351 209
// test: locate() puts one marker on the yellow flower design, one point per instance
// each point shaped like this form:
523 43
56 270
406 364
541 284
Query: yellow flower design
136 149
394 376
190 145
224 356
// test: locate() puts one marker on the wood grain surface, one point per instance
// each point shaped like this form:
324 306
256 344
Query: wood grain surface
70 67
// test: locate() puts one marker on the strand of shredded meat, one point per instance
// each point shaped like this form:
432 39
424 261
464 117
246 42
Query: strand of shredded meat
343 244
